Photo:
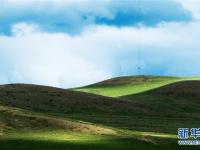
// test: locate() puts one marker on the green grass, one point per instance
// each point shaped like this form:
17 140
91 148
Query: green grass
137 85
145 113
67 140
112 144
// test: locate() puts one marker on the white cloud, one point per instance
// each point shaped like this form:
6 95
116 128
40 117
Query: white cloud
193 6
100 52
43 58
21 28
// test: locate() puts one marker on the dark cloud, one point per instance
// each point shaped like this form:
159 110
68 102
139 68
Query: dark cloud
72 18
146 12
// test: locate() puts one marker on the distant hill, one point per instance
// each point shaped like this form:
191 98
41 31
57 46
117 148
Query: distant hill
134 80
121 86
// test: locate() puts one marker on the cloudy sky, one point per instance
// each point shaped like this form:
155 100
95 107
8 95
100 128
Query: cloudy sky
68 43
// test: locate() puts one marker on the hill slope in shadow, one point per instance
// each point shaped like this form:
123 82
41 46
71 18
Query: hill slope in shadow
160 110
179 89
56 100
181 97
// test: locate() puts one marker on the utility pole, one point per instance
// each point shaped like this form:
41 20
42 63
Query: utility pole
139 38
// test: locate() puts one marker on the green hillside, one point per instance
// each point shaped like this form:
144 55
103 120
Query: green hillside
41 117
127 85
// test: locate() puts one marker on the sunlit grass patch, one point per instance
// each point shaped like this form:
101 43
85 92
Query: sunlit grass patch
56 135
126 89
135 87
68 135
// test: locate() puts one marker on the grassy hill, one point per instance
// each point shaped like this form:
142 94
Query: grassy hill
57 101
127 85
167 102
41 117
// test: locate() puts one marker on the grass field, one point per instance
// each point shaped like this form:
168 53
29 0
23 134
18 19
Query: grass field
71 140
142 112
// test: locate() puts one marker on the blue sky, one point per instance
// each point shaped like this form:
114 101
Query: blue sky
68 43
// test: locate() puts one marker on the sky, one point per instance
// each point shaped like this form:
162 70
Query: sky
67 43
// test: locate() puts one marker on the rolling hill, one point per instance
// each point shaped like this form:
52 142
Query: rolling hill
127 85
165 99
147 117
60 101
